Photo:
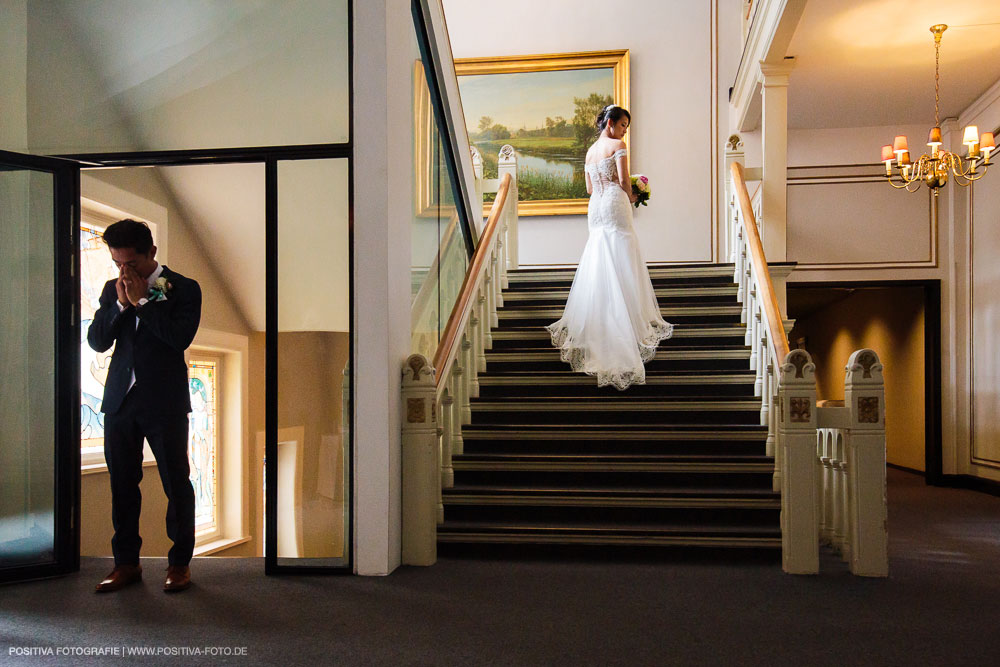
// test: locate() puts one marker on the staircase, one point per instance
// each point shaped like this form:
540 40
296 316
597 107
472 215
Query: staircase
552 459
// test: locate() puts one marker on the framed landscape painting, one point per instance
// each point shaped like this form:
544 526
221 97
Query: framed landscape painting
545 107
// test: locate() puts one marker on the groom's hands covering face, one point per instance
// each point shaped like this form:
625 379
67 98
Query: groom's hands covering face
120 288
135 286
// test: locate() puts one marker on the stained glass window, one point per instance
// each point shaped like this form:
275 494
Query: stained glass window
96 268
203 376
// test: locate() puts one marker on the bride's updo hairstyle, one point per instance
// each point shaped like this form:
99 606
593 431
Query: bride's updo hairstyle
612 112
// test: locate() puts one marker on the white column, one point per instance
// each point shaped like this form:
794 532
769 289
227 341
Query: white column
420 463
383 189
774 144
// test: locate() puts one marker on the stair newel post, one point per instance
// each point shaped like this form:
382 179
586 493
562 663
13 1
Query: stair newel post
798 472
421 482
466 379
507 164
457 443
733 154
477 170
864 394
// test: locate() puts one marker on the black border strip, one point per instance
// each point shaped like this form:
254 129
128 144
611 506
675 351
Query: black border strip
933 438
271 365
184 157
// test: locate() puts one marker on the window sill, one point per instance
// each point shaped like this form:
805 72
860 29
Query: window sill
216 546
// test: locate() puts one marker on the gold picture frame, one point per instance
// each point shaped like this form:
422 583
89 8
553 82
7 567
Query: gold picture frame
617 61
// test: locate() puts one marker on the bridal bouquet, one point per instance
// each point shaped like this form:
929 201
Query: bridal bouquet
640 186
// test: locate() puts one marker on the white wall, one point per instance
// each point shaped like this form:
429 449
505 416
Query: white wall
674 139
977 216
13 75
845 231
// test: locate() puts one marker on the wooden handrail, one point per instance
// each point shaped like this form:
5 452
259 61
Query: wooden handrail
444 358
775 323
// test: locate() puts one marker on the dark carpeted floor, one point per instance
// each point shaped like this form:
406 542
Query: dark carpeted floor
940 606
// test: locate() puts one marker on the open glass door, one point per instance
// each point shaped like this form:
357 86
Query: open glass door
39 364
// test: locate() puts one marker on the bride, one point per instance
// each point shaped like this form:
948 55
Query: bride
612 323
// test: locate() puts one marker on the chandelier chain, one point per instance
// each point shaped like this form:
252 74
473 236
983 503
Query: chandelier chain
937 79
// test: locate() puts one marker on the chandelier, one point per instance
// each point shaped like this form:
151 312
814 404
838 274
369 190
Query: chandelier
934 169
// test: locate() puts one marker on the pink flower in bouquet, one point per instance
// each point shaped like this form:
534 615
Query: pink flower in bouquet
640 186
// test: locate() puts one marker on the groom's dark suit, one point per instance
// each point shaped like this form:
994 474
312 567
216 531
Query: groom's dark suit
154 408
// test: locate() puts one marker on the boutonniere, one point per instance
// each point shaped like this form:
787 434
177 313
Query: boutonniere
160 289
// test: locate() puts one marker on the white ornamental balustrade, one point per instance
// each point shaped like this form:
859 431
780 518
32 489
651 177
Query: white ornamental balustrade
829 461
436 395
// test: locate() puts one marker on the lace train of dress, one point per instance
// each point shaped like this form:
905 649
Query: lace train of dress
611 324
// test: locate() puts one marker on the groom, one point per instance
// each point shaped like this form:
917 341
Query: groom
150 314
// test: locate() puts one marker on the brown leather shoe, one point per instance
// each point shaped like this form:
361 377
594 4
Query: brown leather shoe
119 578
178 578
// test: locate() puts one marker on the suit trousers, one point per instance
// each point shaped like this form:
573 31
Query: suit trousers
168 438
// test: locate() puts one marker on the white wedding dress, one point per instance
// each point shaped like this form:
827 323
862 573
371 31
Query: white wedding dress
612 324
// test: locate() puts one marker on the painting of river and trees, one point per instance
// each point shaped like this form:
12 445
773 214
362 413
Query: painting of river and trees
545 107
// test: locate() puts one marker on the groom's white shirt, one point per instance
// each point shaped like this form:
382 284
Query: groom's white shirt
150 281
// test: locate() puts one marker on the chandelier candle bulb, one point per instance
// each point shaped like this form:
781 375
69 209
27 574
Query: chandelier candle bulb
987 144
887 157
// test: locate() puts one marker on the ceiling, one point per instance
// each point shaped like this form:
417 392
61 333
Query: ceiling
127 75
862 63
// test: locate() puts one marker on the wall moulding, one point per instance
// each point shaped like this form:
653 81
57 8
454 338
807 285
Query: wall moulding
857 183
976 456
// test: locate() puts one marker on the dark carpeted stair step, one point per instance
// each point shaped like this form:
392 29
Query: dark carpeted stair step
524 338
526 533
700 275
666 296
612 410
521 384
693 316
708 439
688 358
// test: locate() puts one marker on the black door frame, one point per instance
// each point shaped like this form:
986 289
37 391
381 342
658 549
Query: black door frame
66 364
269 157
933 448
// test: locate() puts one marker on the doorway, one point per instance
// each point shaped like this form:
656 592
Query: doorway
216 225
901 322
